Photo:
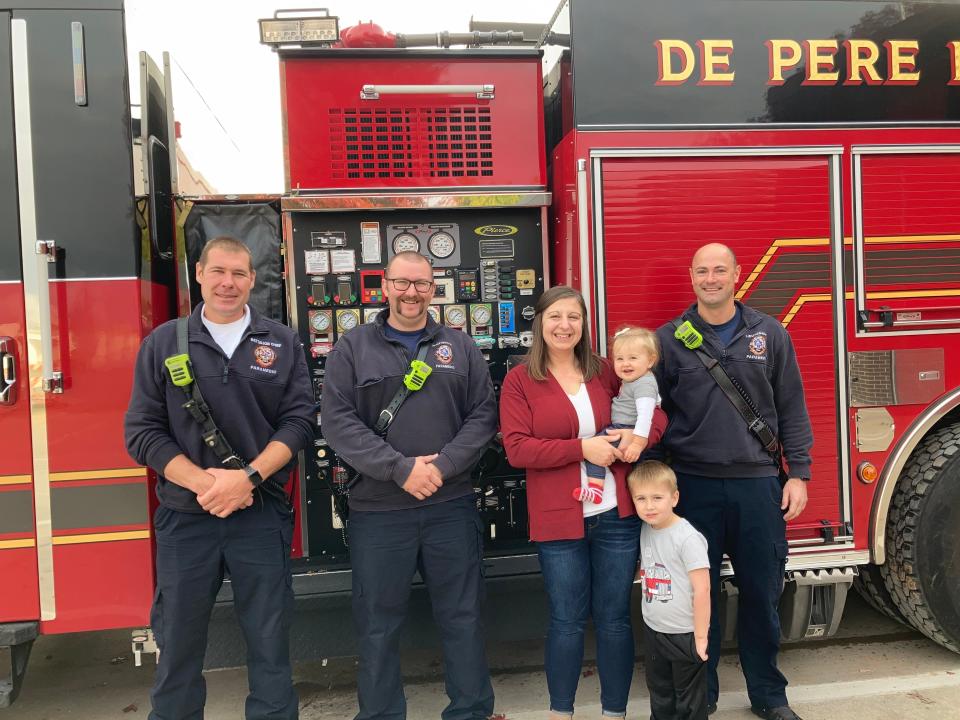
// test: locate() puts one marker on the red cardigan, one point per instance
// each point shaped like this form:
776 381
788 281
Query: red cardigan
539 426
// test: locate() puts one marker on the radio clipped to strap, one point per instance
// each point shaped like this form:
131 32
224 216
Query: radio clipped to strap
688 335
419 372
179 368
415 379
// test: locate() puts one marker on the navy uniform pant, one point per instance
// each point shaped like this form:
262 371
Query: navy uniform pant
194 550
444 542
742 518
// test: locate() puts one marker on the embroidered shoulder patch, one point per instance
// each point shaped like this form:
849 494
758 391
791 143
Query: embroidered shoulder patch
757 346
264 355
443 352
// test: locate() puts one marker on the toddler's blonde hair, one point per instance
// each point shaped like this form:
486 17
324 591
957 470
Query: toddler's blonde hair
638 336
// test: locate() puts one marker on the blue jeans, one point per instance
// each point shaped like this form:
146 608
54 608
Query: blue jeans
592 576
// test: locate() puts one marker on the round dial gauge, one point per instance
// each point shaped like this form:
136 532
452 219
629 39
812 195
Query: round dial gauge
347 321
441 244
405 242
456 317
480 315
434 312
320 322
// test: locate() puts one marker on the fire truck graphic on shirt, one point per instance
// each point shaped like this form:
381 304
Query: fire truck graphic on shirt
656 583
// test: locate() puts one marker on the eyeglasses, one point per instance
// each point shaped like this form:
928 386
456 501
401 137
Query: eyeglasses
402 284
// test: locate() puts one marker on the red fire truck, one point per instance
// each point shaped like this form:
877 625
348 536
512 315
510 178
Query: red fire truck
821 140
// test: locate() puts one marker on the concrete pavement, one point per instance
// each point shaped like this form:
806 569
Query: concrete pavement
874 669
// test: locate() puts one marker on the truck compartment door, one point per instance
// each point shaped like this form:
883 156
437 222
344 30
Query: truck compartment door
776 209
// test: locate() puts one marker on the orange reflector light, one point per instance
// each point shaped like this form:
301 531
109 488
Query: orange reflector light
868 473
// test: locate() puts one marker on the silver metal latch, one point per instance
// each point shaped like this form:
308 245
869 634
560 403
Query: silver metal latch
142 641
54 383
8 371
48 248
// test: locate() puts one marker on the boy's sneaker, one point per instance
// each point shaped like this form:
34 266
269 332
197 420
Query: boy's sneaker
781 712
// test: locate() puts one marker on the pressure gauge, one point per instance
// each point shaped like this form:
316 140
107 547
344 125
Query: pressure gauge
455 316
434 311
480 314
320 322
405 242
347 319
441 244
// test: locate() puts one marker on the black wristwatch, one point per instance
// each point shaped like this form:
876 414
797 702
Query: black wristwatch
253 475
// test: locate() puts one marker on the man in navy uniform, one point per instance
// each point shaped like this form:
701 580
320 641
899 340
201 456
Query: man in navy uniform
729 485
412 506
212 520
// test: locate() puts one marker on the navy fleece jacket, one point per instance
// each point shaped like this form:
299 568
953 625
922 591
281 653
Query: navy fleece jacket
706 435
260 394
453 414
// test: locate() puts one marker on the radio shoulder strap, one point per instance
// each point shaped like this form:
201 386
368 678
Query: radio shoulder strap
740 400
388 414
212 436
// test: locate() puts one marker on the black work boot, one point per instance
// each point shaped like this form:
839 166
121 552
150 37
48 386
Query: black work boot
781 712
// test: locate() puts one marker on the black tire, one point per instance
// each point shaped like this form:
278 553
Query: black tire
869 583
922 571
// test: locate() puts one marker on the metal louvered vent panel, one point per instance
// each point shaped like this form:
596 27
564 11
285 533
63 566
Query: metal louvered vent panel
410 143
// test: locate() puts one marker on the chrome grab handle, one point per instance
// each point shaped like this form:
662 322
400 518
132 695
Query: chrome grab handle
907 317
912 323
46 254
373 92
8 372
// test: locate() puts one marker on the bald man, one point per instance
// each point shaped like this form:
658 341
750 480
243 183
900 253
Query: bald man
729 486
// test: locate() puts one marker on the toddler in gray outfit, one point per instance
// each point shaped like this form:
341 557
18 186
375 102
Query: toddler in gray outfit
635 352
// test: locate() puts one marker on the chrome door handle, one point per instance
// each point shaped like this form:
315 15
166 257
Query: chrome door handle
483 91
8 371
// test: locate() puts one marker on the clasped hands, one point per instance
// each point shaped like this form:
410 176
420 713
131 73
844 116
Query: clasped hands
226 492
425 478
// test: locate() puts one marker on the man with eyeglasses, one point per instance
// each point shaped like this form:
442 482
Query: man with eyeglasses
412 503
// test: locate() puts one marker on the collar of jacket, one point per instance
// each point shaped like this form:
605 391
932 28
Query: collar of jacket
197 331
430 330
751 318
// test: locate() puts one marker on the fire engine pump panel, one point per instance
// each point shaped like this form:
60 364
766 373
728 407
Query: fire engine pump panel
439 152
488 275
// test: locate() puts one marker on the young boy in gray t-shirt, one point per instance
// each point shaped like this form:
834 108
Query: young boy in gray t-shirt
674 576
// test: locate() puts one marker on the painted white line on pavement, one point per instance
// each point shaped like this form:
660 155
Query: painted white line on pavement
825 692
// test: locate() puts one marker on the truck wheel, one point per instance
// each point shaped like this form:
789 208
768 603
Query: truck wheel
869 583
922 572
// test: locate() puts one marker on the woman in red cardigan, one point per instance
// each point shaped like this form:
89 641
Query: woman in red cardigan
550 410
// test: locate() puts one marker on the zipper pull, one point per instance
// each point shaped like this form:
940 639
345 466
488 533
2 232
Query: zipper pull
223 377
